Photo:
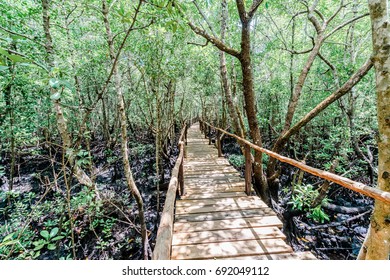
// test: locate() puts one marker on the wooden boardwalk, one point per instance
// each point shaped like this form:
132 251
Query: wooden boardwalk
215 219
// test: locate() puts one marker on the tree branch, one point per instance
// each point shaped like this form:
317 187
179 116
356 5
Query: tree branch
107 82
22 35
345 24
199 45
345 88
342 5
204 17
313 19
241 10
254 7
215 41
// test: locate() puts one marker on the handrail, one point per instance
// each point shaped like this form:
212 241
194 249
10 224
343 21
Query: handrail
162 249
342 181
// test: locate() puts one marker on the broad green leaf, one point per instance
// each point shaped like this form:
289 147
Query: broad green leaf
66 84
8 237
16 37
3 68
9 242
55 96
4 52
54 83
51 246
18 58
45 234
53 232
38 246
58 238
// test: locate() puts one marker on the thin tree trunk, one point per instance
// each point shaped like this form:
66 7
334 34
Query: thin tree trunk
123 126
79 173
377 242
224 75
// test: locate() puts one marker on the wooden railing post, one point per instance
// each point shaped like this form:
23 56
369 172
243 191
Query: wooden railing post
185 135
248 170
181 179
219 143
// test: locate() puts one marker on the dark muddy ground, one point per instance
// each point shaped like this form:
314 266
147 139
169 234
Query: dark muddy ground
339 238
103 229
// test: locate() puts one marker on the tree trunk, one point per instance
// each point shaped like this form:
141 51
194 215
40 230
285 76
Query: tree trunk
260 183
377 242
123 125
224 76
79 173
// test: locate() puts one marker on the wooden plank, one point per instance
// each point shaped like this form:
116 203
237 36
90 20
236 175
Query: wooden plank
220 207
284 256
278 256
223 215
206 190
227 235
213 173
210 177
221 201
228 224
212 195
229 249
196 191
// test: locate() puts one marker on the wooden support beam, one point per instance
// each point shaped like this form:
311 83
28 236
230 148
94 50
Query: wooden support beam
219 144
248 170
209 136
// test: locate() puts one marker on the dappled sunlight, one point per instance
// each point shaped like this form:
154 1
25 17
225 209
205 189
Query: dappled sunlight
215 218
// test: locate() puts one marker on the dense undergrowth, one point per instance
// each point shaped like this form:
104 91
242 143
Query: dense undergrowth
336 228
34 216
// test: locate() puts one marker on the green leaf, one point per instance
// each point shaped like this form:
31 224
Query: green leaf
51 246
66 84
18 58
38 246
53 232
55 96
8 237
58 238
3 52
54 83
3 68
9 242
45 234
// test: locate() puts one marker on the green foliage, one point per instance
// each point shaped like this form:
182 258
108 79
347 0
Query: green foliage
49 239
302 199
83 158
2 170
237 161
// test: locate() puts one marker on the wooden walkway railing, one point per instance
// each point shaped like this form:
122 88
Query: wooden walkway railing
162 249
342 181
